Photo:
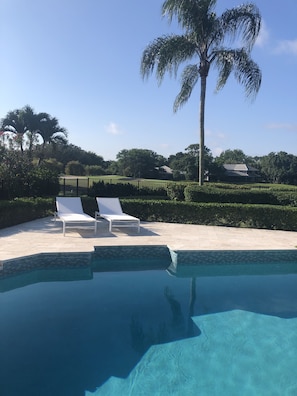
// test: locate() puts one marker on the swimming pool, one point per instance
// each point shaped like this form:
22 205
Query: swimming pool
146 321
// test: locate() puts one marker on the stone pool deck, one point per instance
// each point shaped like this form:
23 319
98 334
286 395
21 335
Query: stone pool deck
45 236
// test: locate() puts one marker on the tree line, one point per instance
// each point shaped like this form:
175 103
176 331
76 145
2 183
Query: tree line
34 145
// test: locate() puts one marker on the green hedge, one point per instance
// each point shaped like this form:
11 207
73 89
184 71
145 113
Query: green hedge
272 217
286 198
21 210
235 215
176 191
103 189
194 193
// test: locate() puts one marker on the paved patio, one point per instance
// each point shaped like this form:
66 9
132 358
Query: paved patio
45 235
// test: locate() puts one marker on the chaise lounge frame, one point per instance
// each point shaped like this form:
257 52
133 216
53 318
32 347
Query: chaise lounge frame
110 209
70 212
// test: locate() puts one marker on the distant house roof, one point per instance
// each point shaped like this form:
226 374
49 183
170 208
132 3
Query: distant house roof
239 167
165 172
166 169
240 171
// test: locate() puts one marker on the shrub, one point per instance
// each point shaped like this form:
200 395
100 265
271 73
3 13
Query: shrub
43 182
234 215
124 190
194 193
94 170
53 165
21 210
38 181
175 191
152 192
113 190
74 168
286 197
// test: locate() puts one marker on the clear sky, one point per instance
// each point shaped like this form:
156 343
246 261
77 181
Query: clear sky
79 61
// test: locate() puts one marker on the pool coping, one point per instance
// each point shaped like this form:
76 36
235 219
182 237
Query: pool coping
45 236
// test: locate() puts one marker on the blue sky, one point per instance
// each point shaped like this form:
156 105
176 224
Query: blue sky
79 61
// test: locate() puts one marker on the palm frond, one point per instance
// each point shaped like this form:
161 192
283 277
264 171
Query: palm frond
166 53
196 17
50 130
224 63
244 21
248 74
189 79
189 13
245 70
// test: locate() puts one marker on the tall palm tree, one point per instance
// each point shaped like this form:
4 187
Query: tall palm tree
205 40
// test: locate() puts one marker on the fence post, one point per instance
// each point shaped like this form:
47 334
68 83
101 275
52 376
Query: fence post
77 187
64 186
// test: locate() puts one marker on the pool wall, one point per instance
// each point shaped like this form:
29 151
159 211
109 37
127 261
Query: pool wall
48 267
44 267
130 258
232 262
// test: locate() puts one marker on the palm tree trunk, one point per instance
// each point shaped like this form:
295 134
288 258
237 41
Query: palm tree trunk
202 113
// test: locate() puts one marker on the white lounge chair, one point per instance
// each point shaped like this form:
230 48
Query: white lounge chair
70 211
110 209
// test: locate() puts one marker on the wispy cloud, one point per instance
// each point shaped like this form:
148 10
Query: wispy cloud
113 129
286 47
282 126
263 37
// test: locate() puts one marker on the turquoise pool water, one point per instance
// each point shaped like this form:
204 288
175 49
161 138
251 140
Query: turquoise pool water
173 323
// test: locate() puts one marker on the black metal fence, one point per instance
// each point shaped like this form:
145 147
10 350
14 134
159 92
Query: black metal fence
74 186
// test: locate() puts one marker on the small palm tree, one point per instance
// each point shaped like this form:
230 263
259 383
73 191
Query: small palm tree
26 125
205 39
21 123
50 130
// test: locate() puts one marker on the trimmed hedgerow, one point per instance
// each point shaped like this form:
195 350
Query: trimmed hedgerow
236 215
176 191
195 193
103 189
21 210
286 198
274 217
